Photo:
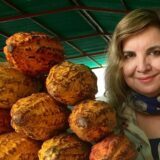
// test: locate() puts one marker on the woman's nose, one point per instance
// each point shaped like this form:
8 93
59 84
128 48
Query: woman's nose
143 64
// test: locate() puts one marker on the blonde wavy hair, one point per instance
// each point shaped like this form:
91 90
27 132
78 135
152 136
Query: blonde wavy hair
134 22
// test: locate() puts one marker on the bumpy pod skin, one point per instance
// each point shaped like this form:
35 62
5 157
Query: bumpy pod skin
33 53
70 83
64 147
91 120
5 119
14 85
114 147
39 116
14 146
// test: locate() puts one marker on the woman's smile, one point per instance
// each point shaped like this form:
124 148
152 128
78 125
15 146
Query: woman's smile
147 79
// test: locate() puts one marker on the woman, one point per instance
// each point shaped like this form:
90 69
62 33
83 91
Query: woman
133 80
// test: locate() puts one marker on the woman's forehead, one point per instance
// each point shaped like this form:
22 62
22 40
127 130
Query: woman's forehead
147 38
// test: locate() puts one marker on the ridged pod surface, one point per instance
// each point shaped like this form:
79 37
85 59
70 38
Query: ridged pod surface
14 85
38 116
114 147
64 147
70 83
5 120
33 53
91 120
14 146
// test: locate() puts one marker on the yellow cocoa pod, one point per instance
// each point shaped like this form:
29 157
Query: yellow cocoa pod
64 147
70 83
91 120
14 146
39 116
14 85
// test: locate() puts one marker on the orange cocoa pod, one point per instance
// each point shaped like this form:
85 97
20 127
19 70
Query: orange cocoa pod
33 53
5 120
114 147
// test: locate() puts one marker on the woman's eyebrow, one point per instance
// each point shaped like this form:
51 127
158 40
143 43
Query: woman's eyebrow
153 48
127 52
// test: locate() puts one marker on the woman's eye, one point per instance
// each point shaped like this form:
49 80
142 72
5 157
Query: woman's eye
128 55
155 53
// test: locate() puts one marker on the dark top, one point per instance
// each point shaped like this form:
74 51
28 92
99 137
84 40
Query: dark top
154 147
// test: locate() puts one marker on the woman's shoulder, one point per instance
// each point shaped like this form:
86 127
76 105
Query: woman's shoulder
134 133
128 113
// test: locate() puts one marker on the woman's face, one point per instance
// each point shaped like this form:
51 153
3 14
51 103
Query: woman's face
141 62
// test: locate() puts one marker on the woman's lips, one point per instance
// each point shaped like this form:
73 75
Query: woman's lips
146 79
